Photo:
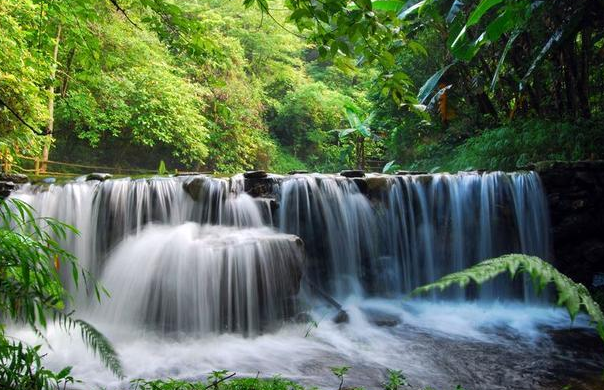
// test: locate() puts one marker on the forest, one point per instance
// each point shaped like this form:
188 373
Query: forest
223 87
301 194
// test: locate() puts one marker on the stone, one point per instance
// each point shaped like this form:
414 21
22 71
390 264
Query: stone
377 184
352 173
381 318
49 180
17 178
411 173
98 176
261 187
341 318
361 184
297 172
255 175
6 187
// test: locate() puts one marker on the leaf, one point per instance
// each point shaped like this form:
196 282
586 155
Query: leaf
431 83
389 6
474 18
388 167
573 296
408 11
454 10
555 38
506 49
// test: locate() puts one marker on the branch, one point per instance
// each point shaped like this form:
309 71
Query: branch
16 114
123 12
215 383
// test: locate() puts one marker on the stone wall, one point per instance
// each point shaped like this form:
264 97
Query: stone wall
575 192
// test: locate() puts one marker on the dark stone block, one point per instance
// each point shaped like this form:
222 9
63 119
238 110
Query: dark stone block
16 178
99 176
411 173
6 187
297 172
261 187
361 184
255 175
352 173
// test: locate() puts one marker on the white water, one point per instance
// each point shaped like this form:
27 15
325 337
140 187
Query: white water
195 266
433 345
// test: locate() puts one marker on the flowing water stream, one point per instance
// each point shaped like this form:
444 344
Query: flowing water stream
203 276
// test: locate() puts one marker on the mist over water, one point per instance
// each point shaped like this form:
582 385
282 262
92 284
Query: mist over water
204 277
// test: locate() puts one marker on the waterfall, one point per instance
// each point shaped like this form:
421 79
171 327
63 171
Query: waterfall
415 229
202 279
198 254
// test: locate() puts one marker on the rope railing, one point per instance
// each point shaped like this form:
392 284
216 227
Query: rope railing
37 170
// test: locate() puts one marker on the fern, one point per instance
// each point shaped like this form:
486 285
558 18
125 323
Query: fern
574 296
94 340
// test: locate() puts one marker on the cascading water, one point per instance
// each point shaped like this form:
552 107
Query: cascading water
195 264
202 279
429 225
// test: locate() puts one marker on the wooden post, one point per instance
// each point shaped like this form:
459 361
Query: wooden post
37 166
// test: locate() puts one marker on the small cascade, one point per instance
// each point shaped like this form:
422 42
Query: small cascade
338 226
202 279
415 230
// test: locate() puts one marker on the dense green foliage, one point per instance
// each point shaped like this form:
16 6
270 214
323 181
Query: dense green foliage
228 86
573 296
32 293
221 380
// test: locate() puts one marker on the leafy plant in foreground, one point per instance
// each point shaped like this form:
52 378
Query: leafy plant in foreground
574 296
31 293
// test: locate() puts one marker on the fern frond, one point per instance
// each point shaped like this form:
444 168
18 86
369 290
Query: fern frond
94 340
100 345
573 296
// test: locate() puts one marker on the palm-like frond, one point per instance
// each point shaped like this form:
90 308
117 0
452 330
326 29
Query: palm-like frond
574 296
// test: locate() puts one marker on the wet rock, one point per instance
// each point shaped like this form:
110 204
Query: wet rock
193 187
575 194
361 184
98 176
6 187
341 317
49 180
376 185
352 173
255 175
265 187
411 172
16 178
381 318
297 172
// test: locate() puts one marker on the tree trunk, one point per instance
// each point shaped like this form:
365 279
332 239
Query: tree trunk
586 47
66 75
51 103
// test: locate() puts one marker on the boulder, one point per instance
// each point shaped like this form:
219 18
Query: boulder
98 176
16 178
352 173
341 317
6 187
411 172
381 318
264 187
255 175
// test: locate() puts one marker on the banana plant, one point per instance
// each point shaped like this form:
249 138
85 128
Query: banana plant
359 131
